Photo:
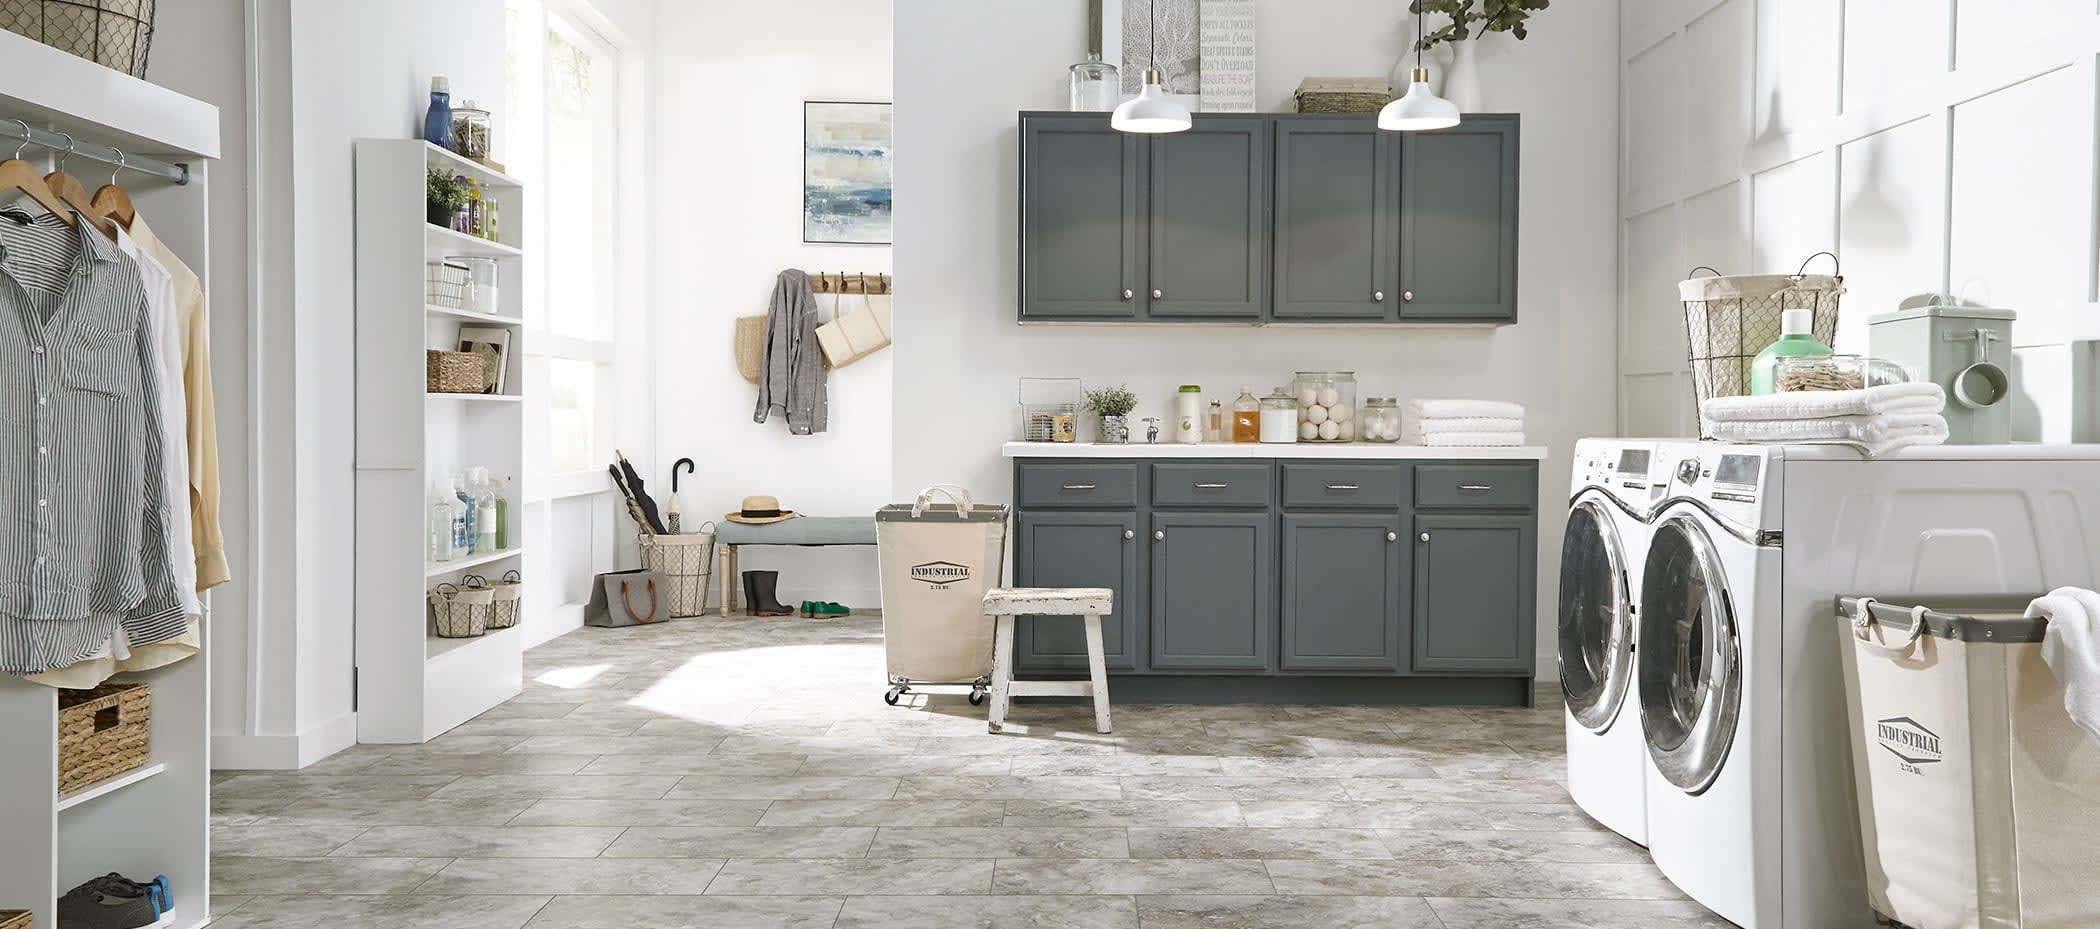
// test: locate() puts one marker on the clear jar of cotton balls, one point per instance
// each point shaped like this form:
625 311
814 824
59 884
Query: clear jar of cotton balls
1326 406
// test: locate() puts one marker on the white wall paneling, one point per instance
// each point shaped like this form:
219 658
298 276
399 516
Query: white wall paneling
1934 145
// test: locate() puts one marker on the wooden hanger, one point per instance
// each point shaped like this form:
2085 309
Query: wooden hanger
68 189
114 201
16 174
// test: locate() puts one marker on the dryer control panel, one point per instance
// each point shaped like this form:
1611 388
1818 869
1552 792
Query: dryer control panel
1624 468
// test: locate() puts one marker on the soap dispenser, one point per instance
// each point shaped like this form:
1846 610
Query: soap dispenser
1797 339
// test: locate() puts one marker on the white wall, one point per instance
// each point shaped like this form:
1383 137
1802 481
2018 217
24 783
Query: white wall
960 351
1936 148
728 191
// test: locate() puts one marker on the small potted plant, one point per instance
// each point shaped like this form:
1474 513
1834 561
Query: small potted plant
446 196
1113 405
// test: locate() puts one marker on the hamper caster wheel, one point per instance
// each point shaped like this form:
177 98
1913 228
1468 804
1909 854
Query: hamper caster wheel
977 698
891 696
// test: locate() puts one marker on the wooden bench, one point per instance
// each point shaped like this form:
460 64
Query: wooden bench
806 531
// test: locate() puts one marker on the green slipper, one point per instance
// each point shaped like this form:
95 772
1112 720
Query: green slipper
808 609
828 611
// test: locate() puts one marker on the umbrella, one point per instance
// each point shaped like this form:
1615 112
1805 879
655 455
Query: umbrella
672 510
640 494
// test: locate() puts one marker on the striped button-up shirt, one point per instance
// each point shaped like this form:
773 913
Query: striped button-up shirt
82 511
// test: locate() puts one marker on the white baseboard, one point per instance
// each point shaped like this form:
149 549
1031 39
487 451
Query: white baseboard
283 752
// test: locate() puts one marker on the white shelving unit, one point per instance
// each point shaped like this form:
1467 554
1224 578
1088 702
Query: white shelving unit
156 820
411 685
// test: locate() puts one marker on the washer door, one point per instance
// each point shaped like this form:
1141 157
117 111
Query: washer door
1596 618
1688 661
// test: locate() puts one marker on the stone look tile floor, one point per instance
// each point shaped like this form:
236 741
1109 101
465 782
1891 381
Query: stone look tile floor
745 774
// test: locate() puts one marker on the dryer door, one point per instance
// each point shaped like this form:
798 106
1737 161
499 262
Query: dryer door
1688 666
1596 617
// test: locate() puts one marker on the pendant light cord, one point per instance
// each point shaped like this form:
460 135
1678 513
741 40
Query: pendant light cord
1421 27
1152 36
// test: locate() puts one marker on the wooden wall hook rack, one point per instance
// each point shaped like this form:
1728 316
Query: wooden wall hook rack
842 282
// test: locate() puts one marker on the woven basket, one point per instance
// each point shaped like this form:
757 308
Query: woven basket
460 613
453 372
112 33
1343 95
1729 319
510 592
685 561
102 733
14 919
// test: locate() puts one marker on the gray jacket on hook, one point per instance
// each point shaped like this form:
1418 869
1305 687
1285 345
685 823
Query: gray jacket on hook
791 374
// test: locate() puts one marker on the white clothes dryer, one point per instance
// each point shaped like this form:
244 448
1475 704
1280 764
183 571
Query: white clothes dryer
1750 801
1609 504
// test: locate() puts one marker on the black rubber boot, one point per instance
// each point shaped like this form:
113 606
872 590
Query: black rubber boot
763 587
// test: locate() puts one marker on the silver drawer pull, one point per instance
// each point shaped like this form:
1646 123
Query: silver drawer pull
1476 488
1079 487
1212 486
1343 488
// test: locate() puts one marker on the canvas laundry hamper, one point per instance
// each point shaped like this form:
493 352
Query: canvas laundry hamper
1979 797
937 560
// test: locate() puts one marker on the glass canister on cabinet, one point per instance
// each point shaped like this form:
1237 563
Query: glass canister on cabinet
1279 418
1326 405
1380 420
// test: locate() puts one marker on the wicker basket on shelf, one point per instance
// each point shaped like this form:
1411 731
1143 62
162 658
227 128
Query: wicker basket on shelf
453 372
14 919
112 33
102 733
1343 95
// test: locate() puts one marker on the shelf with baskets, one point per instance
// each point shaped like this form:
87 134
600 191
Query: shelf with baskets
441 388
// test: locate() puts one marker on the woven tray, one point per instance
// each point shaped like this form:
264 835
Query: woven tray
1342 95
102 733
453 372
14 919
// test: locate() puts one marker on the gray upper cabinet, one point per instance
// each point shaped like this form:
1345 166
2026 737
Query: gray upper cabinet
1078 549
1082 230
1458 222
1213 591
1474 590
1334 252
1291 217
1343 590
1207 204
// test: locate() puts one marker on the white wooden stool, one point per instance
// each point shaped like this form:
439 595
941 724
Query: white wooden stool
1005 603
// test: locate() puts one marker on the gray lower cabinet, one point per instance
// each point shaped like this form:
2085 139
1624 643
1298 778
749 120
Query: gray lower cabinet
1344 586
1458 222
1475 583
1078 549
1213 605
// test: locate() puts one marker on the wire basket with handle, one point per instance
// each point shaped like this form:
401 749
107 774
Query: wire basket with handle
1728 319
112 33
685 561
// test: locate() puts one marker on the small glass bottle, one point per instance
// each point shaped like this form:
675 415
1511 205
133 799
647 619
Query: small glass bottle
437 123
475 218
463 221
1216 432
484 491
441 526
1095 88
463 527
1246 417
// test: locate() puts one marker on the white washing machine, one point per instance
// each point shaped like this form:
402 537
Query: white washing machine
1750 801
1609 506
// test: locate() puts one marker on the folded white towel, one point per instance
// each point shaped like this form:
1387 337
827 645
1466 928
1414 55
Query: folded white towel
2071 646
1473 439
1417 426
1874 435
1464 409
1819 404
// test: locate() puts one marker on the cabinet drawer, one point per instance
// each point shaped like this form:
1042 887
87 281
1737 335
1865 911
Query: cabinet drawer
1240 485
1366 486
1476 485
1086 485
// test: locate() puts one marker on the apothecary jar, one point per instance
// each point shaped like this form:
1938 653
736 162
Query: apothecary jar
1326 405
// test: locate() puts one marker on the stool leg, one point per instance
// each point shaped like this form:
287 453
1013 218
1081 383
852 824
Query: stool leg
1097 663
1002 671
729 580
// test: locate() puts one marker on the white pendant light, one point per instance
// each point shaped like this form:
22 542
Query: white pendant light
1420 108
1151 111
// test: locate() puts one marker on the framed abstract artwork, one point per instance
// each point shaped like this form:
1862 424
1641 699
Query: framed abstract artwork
846 178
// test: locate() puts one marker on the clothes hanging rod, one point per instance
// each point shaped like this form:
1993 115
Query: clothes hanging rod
22 132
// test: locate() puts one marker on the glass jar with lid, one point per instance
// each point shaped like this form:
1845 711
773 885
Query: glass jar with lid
1380 420
471 129
1326 405
1095 87
1279 418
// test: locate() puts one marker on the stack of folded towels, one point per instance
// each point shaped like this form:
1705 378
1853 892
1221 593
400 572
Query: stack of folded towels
1877 420
1466 423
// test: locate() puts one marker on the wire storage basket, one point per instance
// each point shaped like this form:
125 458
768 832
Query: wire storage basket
509 592
1050 409
1728 319
685 562
112 33
461 612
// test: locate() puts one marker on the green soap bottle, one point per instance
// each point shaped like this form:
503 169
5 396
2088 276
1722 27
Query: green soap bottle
1797 339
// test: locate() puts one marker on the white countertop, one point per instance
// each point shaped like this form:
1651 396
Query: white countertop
1338 450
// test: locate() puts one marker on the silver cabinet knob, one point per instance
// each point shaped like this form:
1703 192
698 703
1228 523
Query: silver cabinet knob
1157 293
1407 295
1425 537
1378 296
1128 293
1392 537
1159 535
1128 535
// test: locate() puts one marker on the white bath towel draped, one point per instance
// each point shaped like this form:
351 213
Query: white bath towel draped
2072 648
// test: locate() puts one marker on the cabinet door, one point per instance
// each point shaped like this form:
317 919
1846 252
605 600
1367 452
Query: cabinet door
1207 209
1082 238
1458 222
1055 549
1475 593
1213 594
1334 253
1343 587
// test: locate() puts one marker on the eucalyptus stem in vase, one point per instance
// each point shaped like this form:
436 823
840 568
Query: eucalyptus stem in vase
1113 406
